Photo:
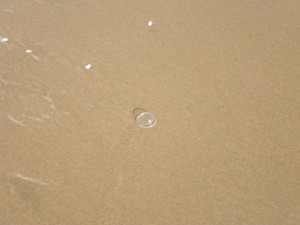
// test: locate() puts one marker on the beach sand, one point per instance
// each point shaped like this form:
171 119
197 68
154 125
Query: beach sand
221 77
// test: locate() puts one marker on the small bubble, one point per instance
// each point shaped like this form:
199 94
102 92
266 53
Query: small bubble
88 66
3 39
144 118
149 23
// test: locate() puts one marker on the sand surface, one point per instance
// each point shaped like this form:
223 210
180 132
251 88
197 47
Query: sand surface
221 77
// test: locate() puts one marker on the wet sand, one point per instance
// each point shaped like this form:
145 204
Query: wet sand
221 77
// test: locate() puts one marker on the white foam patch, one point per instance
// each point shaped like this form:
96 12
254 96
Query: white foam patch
48 98
3 39
88 66
149 23
16 121
30 179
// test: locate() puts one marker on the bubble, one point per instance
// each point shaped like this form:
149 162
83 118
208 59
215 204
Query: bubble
88 66
3 39
149 23
144 119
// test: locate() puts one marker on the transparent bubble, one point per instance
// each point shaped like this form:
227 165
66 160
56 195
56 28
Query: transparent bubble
144 118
